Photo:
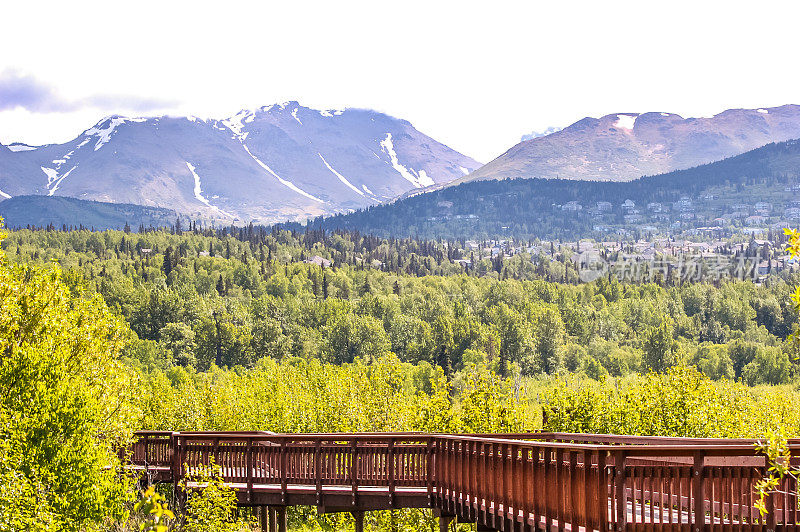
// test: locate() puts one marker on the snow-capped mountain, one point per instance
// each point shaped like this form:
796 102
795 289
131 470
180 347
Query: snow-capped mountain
624 146
270 164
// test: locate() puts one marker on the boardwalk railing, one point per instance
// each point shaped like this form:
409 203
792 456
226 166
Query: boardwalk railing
549 481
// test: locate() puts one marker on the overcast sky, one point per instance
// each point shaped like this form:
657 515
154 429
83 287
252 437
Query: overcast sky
474 75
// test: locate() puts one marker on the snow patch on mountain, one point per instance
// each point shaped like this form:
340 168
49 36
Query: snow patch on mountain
423 178
279 178
236 123
625 121
198 191
465 171
763 111
6 196
342 178
328 113
294 115
419 181
59 180
104 134
18 146
51 173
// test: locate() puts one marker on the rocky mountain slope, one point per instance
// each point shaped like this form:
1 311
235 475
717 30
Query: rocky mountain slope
274 163
625 146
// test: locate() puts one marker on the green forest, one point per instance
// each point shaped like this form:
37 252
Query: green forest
105 333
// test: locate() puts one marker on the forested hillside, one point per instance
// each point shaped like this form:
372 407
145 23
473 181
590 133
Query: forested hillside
195 300
721 194
44 211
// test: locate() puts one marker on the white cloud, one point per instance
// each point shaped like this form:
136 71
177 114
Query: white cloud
474 75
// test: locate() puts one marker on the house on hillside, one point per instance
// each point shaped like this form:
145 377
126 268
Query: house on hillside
319 261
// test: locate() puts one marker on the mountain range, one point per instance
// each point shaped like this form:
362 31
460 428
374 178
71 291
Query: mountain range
625 146
274 163
287 162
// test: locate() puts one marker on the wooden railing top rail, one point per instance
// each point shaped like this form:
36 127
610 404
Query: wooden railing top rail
632 445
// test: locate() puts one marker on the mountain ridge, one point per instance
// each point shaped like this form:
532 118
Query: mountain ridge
277 162
624 146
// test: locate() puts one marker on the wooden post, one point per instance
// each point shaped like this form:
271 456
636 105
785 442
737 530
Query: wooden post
318 469
273 519
354 471
263 517
280 514
249 465
391 471
698 472
175 469
430 468
602 492
283 472
444 522
146 454
621 494
359 519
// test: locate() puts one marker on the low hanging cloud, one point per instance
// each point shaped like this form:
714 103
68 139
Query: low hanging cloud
24 91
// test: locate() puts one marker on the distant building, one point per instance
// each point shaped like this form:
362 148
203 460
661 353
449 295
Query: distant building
571 206
319 261
654 206
628 204
683 204
763 207
754 220
604 206
792 213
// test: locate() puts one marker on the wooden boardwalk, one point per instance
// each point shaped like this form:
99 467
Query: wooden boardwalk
505 482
